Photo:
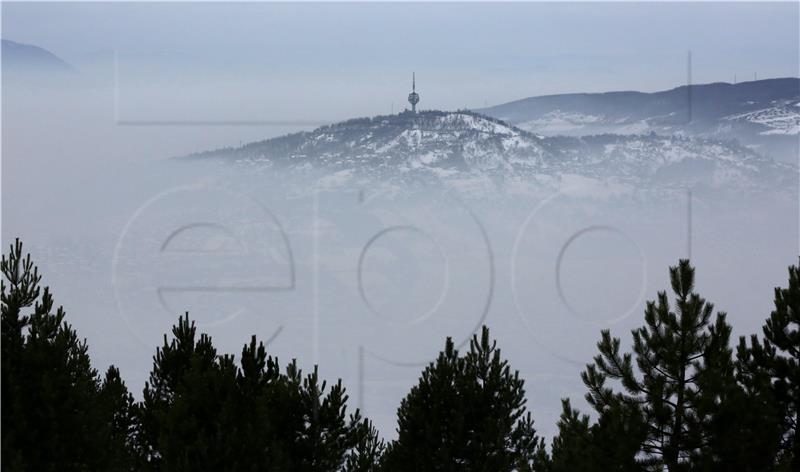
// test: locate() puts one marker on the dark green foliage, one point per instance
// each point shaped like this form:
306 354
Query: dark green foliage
772 368
467 414
573 447
737 409
189 416
681 401
368 450
117 404
683 363
54 415
611 444
617 437
320 432
201 412
743 432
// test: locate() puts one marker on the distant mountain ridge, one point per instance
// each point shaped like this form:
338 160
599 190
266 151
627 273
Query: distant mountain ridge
465 149
406 141
18 57
763 115
712 100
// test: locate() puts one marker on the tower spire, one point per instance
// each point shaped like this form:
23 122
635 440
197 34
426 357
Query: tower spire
413 97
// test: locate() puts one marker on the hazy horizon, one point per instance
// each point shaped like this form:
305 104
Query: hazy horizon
356 59
369 277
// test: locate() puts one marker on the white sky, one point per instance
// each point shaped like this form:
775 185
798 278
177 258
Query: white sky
356 58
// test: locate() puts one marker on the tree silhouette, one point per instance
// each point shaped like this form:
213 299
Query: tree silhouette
775 363
679 401
368 452
202 412
467 414
678 355
573 447
189 419
611 444
322 432
53 410
117 404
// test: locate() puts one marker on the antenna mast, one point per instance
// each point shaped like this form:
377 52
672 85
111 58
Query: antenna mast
413 97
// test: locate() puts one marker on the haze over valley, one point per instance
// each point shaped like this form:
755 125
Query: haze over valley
274 179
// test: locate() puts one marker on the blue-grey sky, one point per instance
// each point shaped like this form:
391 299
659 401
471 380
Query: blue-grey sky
357 58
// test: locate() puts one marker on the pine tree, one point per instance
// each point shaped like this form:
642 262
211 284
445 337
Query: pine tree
202 412
53 416
261 385
295 422
677 354
611 444
189 416
367 453
617 437
467 414
743 432
775 362
323 434
117 404
572 448
22 291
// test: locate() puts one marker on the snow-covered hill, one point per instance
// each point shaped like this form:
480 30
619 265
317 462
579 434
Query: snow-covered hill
762 114
467 150
400 143
782 119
